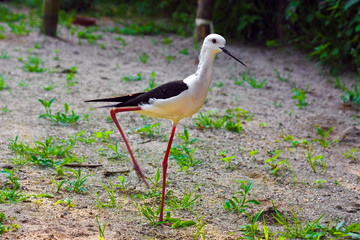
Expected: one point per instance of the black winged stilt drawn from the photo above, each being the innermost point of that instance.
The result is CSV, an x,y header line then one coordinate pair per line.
x,y
173,100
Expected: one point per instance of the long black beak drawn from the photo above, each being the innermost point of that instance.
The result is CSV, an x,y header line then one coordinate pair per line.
x,y
228,53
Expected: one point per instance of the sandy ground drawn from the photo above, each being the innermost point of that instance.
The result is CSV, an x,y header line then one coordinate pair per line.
x,y
100,73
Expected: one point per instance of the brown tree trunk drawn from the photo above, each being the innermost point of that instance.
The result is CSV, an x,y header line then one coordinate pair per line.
x,y
203,19
50,17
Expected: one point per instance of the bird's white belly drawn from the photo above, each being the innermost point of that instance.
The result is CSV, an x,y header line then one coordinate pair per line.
x,y
176,108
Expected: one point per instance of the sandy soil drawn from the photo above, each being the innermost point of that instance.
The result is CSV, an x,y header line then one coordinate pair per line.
x,y
100,73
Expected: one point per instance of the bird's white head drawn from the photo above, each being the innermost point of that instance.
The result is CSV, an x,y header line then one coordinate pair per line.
x,y
214,42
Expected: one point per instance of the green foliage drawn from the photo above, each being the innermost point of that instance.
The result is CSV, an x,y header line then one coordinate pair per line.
x,y
300,96
144,57
314,161
129,78
3,228
226,159
154,191
186,202
11,193
48,153
282,79
231,121
4,54
67,201
250,231
182,153
33,64
323,137
352,96
2,82
19,29
62,118
235,204
110,191
295,229
275,164
151,82
101,229
89,35
77,185
150,131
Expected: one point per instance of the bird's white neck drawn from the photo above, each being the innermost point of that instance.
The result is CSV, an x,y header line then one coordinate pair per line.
x,y
205,68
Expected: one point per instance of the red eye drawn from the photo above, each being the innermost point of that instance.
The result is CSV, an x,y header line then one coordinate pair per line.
x,y
214,40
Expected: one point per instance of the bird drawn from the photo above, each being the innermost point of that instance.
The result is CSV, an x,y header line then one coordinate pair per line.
x,y
173,100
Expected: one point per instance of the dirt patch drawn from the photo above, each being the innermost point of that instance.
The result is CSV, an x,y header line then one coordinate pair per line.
x,y
99,74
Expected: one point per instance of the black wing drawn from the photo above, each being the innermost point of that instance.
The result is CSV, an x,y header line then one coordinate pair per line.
x,y
164,91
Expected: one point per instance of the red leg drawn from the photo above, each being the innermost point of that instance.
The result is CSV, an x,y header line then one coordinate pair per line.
x,y
165,165
113,116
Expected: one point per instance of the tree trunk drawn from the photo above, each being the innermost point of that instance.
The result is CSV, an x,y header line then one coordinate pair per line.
x,y
50,17
203,19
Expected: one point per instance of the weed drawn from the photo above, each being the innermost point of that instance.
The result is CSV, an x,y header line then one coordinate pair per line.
x,y
4,54
59,117
152,214
56,51
251,80
101,229
114,148
89,36
33,64
252,154
122,183
144,57
2,82
353,96
19,29
199,228
2,33
150,131
323,137
9,193
46,153
350,154
110,191
154,191
151,82
250,231
227,159
314,161
129,78
121,40
235,204
297,230
182,153
3,228
5,109
103,46
231,121
340,84
282,79
275,164
48,87
24,83
184,51
96,135
58,184
187,200
300,96
76,186
168,42
319,183
67,201
70,79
